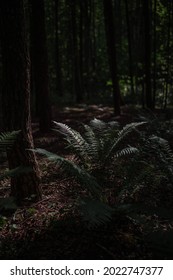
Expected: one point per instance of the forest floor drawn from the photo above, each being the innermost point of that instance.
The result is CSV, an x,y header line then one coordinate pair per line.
x,y
53,229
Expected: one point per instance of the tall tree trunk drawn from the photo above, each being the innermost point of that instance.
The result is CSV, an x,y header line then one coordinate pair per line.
x,y
40,64
111,46
59,85
168,54
130,50
87,45
81,41
94,36
77,85
16,97
147,23
154,52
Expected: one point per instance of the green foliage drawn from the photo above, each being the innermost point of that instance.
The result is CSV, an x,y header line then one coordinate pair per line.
x,y
149,176
160,149
100,143
86,180
96,150
7,139
2,221
95,212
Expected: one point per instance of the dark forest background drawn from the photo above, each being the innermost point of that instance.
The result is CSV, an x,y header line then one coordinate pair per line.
x,y
110,52
77,62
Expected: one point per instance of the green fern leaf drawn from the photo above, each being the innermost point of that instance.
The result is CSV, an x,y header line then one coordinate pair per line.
x,y
75,140
72,169
95,212
7,139
122,134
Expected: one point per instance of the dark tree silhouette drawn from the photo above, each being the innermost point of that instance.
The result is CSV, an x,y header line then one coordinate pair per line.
x,y
39,59
59,84
147,26
130,50
111,46
77,82
16,97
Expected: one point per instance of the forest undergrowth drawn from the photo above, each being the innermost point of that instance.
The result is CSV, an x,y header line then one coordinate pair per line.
x,y
142,187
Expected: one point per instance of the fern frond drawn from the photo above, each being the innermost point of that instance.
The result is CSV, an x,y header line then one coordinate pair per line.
x,y
126,151
15,172
7,139
94,143
95,212
72,169
122,134
98,125
75,140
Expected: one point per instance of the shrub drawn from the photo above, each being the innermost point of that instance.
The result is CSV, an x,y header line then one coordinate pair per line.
x,y
96,152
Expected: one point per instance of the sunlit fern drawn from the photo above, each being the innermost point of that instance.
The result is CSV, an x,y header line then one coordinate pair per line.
x,y
100,142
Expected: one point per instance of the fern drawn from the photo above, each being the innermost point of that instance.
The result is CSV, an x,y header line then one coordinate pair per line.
x,y
72,169
96,148
100,141
74,139
126,151
122,134
95,212
161,150
7,139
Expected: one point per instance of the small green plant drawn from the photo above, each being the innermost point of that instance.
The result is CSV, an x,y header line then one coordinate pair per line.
x,y
96,150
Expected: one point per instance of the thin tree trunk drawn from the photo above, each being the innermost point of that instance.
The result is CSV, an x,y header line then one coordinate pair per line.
x,y
77,86
16,98
111,47
168,55
147,23
87,45
59,85
130,51
154,54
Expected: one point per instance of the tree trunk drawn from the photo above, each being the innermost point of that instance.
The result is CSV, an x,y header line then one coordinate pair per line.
x,y
130,51
111,47
59,86
77,84
16,98
147,23
40,64
167,78
154,53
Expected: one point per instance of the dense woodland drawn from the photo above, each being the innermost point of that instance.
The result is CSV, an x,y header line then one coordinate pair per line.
x,y
86,129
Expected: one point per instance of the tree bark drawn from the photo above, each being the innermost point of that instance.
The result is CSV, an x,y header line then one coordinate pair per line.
x,y
16,98
39,59
77,83
147,23
130,51
154,53
59,85
111,47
